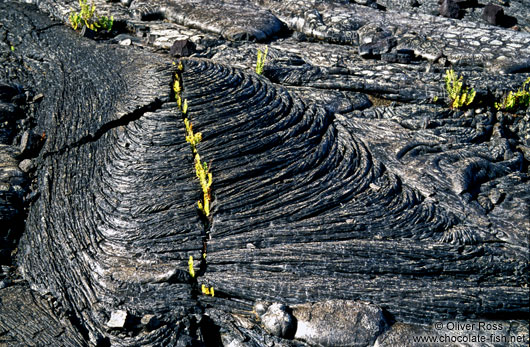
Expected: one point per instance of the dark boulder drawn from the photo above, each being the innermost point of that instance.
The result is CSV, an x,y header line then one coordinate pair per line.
x,y
450,9
374,41
493,14
182,48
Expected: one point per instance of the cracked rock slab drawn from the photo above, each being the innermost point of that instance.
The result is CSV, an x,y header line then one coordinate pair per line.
x,y
339,323
87,248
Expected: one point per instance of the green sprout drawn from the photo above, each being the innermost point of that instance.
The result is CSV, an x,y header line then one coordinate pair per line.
x,y
177,89
458,95
207,291
89,18
192,138
12,48
260,63
514,100
205,179
202,170
191,269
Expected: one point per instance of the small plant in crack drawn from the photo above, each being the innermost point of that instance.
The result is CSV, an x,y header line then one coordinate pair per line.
x,y
202,172
260,62
89,18
205,178
458,94
202,169
191,268
177,88
517,99
207,291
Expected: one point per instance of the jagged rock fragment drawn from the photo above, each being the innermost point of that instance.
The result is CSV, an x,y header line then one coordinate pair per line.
x,y
450,9
279,321
182,48
493,14
374,41
117,319
339,323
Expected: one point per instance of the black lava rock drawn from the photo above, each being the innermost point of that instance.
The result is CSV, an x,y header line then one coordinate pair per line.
x,y
493,14
182,48
450,9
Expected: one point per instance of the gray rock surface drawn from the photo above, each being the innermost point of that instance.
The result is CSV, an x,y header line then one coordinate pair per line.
x,y
456,334
331,323
493,14
450,9
12,190
279,321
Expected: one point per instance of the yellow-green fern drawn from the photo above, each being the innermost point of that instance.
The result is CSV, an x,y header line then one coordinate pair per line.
x,y
191,269
88,17
458,95
207,291
260,63
514,100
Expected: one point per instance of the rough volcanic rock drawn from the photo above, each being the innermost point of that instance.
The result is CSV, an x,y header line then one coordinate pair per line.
x,y
339,323
279,321
493,14
450,9
13,179
234,20
93,266
13,183
182,48
472,10
277,253
27,319
374,41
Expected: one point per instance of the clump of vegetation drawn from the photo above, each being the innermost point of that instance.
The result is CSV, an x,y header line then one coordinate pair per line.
x,y
207,291
515,100
89,18
260,63
191,269
177,88
458,94
205,179
202,169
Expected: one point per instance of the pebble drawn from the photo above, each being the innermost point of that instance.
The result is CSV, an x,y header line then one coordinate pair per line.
x,y
495,196
278,321
126,42
117,319
26,165
260,308
150,322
